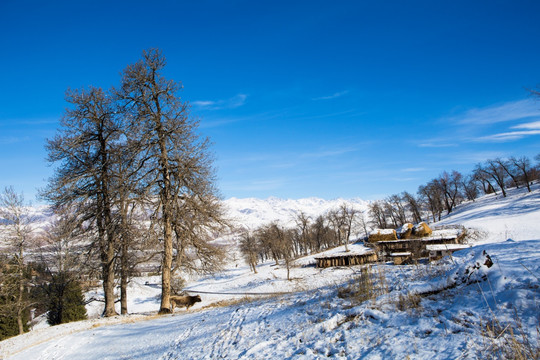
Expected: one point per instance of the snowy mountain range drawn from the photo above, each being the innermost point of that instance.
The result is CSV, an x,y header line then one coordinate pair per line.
x,y
252,213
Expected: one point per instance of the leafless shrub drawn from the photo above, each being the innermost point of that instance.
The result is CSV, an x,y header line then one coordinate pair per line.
x,y
408,302
367,285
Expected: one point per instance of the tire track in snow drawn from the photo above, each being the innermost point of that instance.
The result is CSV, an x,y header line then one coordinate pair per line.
x,y
229,336
261,326
171,354
245,324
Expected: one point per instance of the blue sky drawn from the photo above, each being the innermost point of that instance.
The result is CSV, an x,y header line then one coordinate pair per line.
x,y
300,98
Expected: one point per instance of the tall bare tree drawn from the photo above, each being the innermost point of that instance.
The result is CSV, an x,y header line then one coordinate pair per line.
x,y
177,163
84,148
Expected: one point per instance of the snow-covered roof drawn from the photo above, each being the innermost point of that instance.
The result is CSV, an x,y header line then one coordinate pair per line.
x,y
382,232
443,247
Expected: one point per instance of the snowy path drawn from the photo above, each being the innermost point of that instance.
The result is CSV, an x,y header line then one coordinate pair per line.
x,y
232,332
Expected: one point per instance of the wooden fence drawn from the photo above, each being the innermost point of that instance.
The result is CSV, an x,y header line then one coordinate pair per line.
x,y
346,260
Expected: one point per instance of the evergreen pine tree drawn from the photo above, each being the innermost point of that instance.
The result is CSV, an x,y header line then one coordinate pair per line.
x,y
66,301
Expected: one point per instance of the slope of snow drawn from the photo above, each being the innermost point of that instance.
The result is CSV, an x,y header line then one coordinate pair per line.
x,y
516,216
437,311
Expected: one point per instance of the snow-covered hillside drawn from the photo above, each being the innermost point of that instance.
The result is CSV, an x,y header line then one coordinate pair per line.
x,y
460,307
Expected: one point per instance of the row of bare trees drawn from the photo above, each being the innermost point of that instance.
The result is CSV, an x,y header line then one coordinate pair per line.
x,y
309,235
442,194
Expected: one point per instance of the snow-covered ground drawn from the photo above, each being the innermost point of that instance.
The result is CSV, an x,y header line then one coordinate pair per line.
x,y
455,308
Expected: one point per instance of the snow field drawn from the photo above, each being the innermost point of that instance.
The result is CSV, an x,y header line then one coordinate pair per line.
x,y
442,310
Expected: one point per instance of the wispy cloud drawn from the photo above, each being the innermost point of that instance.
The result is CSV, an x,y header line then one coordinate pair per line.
x,y
29,121
230,103
333,96
522,131
510,111
472,126
509,136
471,157
535,125
418,169
9,140
444,143
327,153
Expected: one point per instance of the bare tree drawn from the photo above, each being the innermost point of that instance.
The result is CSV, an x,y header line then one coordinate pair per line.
x,y
283,238
397,210
196,220
17,233
432,196
480,174
523,164
470,187
494,170
413,206
363,222
376,212
303,222
350,215
130,215
83,181
507,166
449,185
177,164
250,249
338,222
62,248
321,235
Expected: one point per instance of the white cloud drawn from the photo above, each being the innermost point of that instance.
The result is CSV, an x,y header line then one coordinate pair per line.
x,y
204,103
9,140
327,153
437,144
413,169
509,136
333,96
510,111
230,103
535,125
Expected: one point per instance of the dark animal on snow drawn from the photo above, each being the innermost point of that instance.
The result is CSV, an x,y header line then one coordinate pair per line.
x,y
187,301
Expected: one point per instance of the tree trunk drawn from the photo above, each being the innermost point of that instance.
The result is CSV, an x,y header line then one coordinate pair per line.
x,y
124,278
124,261
20,297
108,281
166,266
107,261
